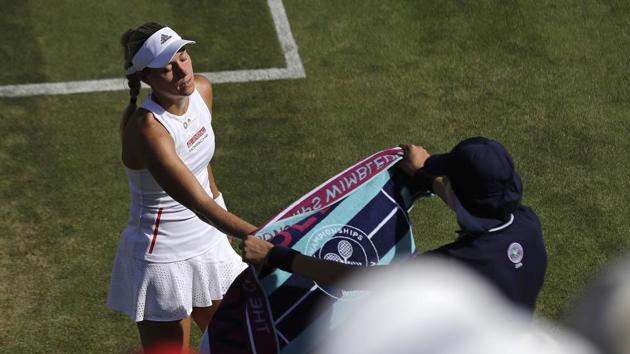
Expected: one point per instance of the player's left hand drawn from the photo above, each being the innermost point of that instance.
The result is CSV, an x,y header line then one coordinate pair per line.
x,y
255,250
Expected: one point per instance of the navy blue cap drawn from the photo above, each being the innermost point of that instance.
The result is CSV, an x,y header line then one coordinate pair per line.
x,y
482,175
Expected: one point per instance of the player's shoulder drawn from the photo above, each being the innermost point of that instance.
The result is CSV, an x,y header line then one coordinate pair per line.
x,y
204,86
146,126
202,80
144,118
143,135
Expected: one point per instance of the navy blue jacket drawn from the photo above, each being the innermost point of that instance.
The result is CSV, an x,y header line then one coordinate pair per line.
x,y
513,259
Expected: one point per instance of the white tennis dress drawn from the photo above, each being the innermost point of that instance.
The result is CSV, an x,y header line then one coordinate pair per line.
x,y
168,260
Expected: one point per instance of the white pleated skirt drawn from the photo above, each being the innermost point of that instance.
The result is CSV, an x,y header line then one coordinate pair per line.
x,y
168,291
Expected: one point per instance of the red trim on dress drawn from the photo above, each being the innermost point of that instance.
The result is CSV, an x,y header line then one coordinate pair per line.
x,y
155,230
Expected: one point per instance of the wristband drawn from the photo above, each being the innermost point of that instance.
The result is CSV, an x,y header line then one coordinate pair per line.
x,y
219,200
282,258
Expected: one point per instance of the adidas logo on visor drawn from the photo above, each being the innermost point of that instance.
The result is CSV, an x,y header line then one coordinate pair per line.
x,y
165,38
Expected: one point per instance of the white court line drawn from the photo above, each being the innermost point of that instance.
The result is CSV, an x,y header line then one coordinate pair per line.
x,y
293,70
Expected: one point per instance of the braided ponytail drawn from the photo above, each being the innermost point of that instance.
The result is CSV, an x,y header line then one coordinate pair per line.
x,y
134,83
131,42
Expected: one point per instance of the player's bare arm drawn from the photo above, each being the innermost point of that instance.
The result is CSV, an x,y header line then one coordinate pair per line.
x,y
159,156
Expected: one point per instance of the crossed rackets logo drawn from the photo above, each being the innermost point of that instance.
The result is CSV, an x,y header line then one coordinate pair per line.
x,y
344,244
344,253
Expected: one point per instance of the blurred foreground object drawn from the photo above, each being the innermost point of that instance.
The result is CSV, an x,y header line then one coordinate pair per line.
x,y
437,307
358,218
602,313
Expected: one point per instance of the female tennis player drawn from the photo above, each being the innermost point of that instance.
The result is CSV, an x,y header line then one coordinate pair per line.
x,y
174,261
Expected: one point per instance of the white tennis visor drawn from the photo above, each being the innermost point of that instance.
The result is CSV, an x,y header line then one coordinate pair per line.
x,y
158,50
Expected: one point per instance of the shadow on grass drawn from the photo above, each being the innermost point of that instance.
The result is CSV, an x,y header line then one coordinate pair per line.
x,y
19,47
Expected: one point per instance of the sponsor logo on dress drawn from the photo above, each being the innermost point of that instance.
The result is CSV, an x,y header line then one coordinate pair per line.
x,y
187,121
515,254
344,244
196,139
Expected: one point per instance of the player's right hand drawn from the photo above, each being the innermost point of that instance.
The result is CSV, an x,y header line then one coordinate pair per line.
x,y
255,250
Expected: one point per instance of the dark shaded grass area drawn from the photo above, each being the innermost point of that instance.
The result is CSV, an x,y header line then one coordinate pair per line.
x,y
79,40
19,43
61,221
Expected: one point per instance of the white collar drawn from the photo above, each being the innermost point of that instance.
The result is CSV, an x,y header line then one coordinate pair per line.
x,y
501,227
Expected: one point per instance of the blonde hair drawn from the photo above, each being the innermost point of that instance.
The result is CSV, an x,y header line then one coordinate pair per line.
x,y
131,41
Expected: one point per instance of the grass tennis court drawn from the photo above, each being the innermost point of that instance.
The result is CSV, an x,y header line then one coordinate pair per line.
x,y
549,79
